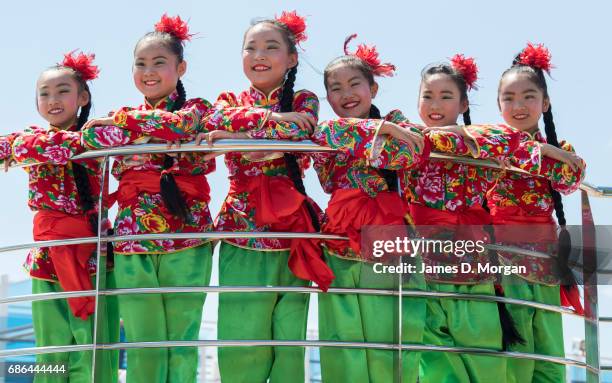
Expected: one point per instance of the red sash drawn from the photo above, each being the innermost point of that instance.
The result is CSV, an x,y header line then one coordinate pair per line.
x,y
135,182
423,215
281,206
70,262
350,209
514,215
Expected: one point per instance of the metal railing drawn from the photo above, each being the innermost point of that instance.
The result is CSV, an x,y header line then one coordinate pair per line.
x,y
591,365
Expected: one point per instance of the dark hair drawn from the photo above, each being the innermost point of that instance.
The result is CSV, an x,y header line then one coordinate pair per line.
x,y
457,78
389,175
350,61
170,192
536,76
167,40
288,36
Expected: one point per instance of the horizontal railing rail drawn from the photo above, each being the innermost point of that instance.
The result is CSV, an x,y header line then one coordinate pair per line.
x,y
246,145
292,343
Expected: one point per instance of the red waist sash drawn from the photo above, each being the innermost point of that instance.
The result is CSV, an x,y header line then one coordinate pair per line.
x,y
71,261
279,205
351,209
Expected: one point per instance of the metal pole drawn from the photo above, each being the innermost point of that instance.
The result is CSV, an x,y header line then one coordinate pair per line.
x,y
591,325
100,302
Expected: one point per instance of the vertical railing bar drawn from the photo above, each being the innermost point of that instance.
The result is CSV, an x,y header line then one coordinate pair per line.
x,y
400,301
591,326
100,268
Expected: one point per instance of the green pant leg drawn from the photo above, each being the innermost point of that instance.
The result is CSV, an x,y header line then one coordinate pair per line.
x,y
107,371
190,267
380,315
289,321
246,315
476,324
340,320
548,336
520,370
440,367
54,325
143,316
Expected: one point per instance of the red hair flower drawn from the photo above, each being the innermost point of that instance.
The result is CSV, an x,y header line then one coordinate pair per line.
x,y
295,23
369,55
174,26
536,56
82,64
466,66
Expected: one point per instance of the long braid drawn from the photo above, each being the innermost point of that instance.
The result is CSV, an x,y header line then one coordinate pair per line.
x,y
170,192
81,178
467,120
390,176
293,168
565,240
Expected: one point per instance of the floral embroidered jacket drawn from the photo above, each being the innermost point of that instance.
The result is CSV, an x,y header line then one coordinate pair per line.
x,y
236,213
147,213
51,182
525,199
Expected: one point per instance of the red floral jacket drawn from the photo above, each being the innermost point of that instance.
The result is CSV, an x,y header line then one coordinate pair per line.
x,y
51,182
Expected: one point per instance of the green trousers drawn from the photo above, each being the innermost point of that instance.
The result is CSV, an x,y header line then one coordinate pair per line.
x,y
54,325
462,323
369,318
542,331
271,316
162,317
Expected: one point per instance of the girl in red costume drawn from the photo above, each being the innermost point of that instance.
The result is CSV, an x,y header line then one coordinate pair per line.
x,y
64,194
518,200
267,194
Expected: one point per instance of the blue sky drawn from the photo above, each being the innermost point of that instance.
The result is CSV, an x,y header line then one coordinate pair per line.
x,y
408,34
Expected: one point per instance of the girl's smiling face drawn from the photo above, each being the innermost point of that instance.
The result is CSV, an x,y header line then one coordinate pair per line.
x,y
266,56
440,102
59,97
521,101
156,70
349,93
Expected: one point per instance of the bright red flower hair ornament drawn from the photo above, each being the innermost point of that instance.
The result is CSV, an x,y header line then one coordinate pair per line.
x,y
536,56
82,64
369,55
466,66
295,23
174,26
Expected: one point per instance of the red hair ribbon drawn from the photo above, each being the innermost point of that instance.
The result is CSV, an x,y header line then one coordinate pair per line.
x,y
536,56
174,26
295,23
369,55
466,66
82,64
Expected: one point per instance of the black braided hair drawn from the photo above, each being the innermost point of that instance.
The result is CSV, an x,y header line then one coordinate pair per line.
x,y
536,76
389,175
170,192
293,168
565,241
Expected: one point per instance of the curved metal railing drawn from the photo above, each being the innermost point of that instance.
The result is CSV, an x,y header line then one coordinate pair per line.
x,y
591,365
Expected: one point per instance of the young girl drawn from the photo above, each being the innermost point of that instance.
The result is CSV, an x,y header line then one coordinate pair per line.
x,y
451,194
64,196
361,178
520,199
267,194
160,193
